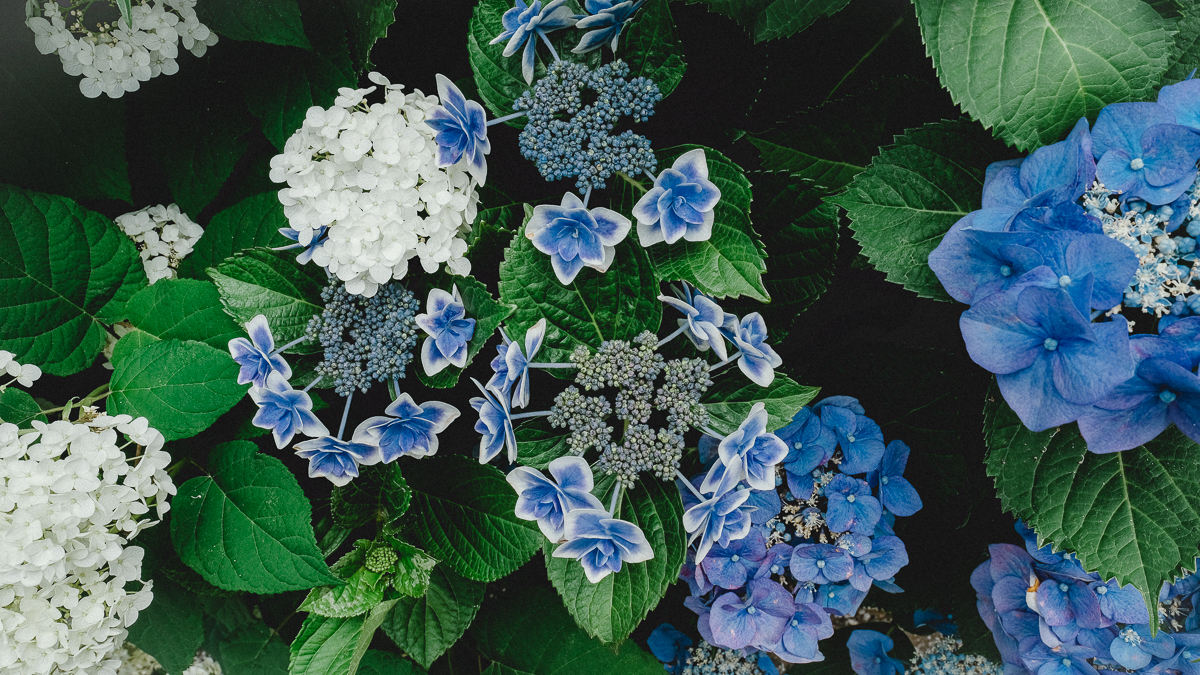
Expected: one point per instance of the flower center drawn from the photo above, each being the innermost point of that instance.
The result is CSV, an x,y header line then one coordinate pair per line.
x,y
1064,588
1064,281
751,610
831,594
797,445
1005,271
821,564
884,480
1137,164
1131,636
850,499
1066,662
1102,590
734,558
797,623
850,438
1050,344
1166,396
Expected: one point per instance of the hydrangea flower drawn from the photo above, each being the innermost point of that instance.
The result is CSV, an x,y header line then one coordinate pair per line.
x,y
461,127
449,331
607,19
840,599
256,356
885,558
575,237
524,24
1123,604
1141,152
1133,647
669,645
548,502
821,564
750,453
810,444
757,359
799,643
869,654
851,506
895,492
680,205
1063,601
516,364
406,428
973,264
335,459
859,436
285,411
703,318
309,239
601,543
495,424
164,235
732,564
1187,661
717,520
757,621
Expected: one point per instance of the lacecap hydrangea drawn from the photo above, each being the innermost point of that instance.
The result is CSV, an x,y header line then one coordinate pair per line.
x,y
164,236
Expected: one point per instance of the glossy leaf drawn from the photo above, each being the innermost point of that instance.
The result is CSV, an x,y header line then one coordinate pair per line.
x,y
252,222
170,629
732,396
651,47
18,407
773,19
180,309
270,283
274,21
329,646
427,626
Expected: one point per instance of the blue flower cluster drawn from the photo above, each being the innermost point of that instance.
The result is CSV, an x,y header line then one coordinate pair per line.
x,y
1049,616
806,539
1068,237
671,647
583,145
870,655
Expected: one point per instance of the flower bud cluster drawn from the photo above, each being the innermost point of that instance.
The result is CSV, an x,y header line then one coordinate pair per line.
x,y
164,235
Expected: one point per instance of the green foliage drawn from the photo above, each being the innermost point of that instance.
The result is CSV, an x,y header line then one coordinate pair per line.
x,y
412,570
334,646
773,19
538,443
611,609
280,97
252,650
732,396
425,627
488,315
463,515
170,629
64,272
366,22
379,494
651,47
248,525
1030,70
274,21
363,589
252,222
180,309
375,662
1185,51
18,407
913,192
261,281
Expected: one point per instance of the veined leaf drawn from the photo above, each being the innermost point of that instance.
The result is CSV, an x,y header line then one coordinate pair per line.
x,y
651,47
270,283
274,21
18,407
427,626
731,397
252,222
171,628
329,646
180,309
772,19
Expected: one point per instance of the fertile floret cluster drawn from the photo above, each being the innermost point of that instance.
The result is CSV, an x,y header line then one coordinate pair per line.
x,y
679,657
943,659
72,499
164,235
114,58
370,175
583,145
365,339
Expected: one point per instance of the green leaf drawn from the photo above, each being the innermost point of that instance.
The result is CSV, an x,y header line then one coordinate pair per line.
x,y
329,646
248,526
362,590
413,567
772,19
463,515
1032,69
180,386
651,47
274,21
18,407
903,204
366,22
530,632
1185,52
253,650
1132,515
488,315
126,7
426,627
616,305
611,609
280,96
252,222
375,662
731,397
64,272
180,309
538,443
379,494
260,281
170,629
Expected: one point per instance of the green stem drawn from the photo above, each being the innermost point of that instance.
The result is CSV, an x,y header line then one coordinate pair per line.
x,y
894,26
631,181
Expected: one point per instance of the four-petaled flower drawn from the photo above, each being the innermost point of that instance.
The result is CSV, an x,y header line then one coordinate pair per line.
x,y
285,411
703,318
808,626
406,428
1133,647
516,364
461,127
524,24
607,19
448,328
495,424
821,564
310,238
336,459
750,453
757,359
575,237
758,621
895,492
869,654
1141,152
255,355
717,520
851,506
601,543
548,502
680,205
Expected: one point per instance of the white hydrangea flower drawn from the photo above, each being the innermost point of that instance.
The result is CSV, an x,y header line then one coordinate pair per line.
x,y
70,500
114,58
369,173
24,374
164,235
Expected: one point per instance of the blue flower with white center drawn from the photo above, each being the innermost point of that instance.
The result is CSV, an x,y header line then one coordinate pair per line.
x,y
549,501
821,564
869,654
605,23
602,543
731,566
495,424
717,520
449,331
680,205
895,492
1134,649
757,359
1141,152
461,127
757,621
575,237
750,453
885,558
285,411
256,356
703,318
1064,659
524,24
1123,604
843,599
1187,660
808,626
851,506
859,436
516,364
406,428
314,238
335,459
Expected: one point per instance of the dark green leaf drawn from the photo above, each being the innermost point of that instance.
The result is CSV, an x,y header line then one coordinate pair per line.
x,y
180,309
260,281
650,45
274,21
366,22
426,627
375,662
252,222
170,629
280,97
253,650
488,315
732,396
771,19
361,592
327,646
413,567
538,443
1185,52
18,407
379,494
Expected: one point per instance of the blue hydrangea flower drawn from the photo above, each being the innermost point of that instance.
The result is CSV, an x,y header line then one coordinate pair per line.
x,y
495,424
255,355
607,19
859,436
670,646
601,543
869,654
717,520
1141,152
703,318
895,492
461,127
810,444
821,564
1122,604
807,627
406,428
750,453
842,599
1063,659
1183,99
336,459
575,237
285,411
758,621
548,502
516,364
731,565
973,264
315,237
1064,601
524,24
499,364
1187,660
680,205
449,331
757,359
1096,260
851,506
1133,647
886,557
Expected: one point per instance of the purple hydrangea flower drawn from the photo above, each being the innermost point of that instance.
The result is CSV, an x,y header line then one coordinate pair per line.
x,y
255,355
336,459
680,205
575,237
757,360
1065,601
449,331
406,428
524,24
285,411
717,520
516,364
315,237
1141,152
549,501
851,506
750,453
1133,647
495,424
869,654
807,627
731,565
821,563
859,436
703,318
607,19
461,127
757,621
1122,604
601,543
895,492
1063,659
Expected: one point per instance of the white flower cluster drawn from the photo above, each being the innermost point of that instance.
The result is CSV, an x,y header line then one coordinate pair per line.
x,y
115,58
137,662
24,374
164,235
370,174
70,499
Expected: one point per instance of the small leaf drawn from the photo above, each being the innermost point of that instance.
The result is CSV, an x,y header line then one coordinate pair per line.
x,y
274,21
379,494
651,47
252,222
18,407
1185,52
329,646
170,629
126,7
413,567
488,315
260,281
362,590
773,19
426,627
731,397
538,443
181,309
367,21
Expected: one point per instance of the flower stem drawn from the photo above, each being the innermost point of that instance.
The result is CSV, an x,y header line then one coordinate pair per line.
x,y
624,176
586,196
345,414
545,39
552,365
674,335
291,344
715,434
679,475
616,500
394,387
313,383
894,26
649,175
500,120
521,416
732,357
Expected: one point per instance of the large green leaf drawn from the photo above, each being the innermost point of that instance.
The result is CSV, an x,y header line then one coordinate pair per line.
x,y
616,305
279,97
426,627
274,21
771,19
180,309
18,407
651,47
1132,515
331,646
488,315
252,222
64,272
732,396
611,609
1032,68
379,495
248,525
375,662
362,590
1185,52
366,22
253,650
538,443
903,204
462,513
260,281
170,629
